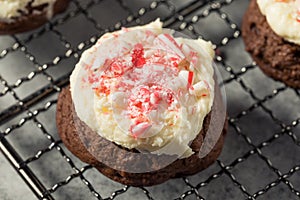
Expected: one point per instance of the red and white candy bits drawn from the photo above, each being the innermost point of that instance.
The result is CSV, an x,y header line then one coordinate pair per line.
x,y
298,10
148,76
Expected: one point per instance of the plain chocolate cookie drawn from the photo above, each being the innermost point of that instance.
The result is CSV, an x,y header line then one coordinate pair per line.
x,y
33,19
276,57
90,145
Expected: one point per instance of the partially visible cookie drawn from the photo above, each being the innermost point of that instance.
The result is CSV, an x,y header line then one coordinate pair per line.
x,y
34,16
277,57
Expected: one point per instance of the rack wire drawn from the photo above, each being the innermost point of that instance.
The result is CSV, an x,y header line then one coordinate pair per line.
x,y
260,159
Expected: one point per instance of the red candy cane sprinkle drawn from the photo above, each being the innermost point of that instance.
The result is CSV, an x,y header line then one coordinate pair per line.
x,y
139,129
298,10
137,56
170,43
190,79
118,67
298,15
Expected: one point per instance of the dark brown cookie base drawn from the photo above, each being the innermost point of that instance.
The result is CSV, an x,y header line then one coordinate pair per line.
x,y
69,125
31,21
276,57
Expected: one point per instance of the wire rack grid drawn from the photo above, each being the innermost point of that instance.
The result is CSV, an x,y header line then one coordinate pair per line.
x,y
259,159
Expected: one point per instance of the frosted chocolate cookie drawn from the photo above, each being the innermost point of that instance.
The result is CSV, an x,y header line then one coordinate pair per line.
x,y
143,106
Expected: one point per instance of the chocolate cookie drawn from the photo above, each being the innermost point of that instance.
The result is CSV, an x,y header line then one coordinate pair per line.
x,y
276,57
87,145
35,17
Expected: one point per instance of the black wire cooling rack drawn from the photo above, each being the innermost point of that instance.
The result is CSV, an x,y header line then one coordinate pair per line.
x,y
260,159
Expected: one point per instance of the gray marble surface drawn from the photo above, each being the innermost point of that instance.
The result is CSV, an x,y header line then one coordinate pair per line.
x,y
12,186
257,125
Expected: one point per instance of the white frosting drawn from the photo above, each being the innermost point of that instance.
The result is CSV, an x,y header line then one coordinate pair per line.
x,y
282,17
10,9
155,106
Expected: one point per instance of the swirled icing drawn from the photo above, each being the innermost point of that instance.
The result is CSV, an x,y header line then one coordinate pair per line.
x,y
143,88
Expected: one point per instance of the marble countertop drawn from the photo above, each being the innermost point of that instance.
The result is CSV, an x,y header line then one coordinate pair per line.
x,y
12,186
